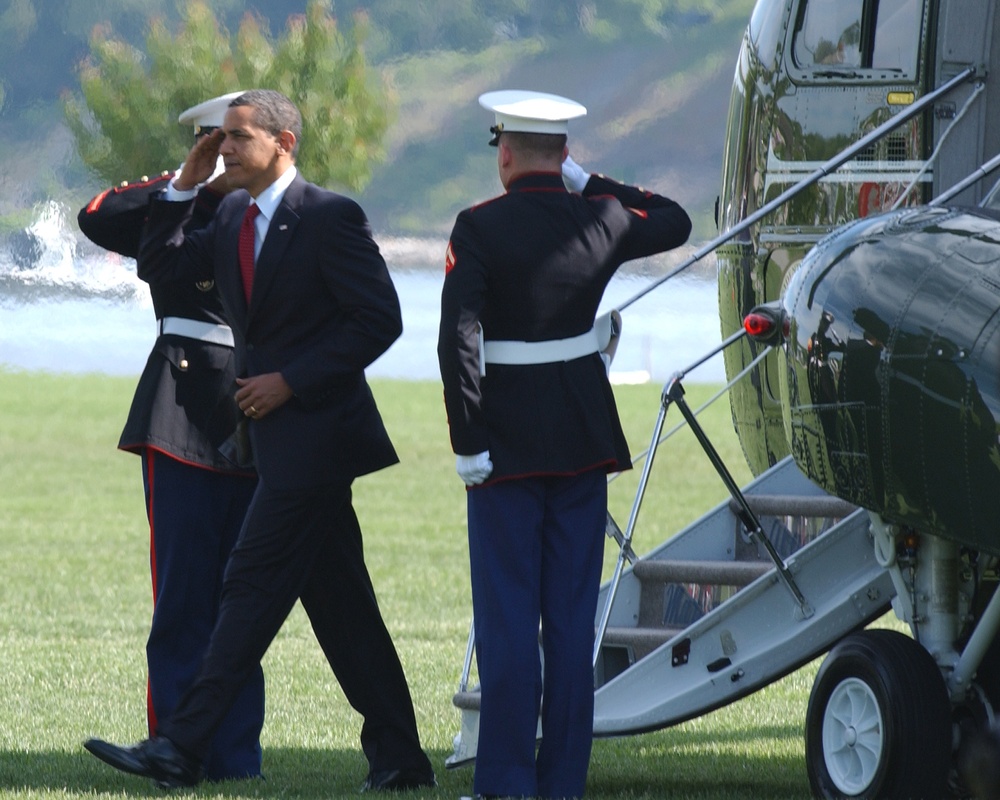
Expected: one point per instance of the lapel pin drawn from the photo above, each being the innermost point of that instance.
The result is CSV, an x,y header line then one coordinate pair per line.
x,y
282,227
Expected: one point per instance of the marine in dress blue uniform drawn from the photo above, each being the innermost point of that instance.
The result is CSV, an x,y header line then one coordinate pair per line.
x,y
535,429
182,412
311,304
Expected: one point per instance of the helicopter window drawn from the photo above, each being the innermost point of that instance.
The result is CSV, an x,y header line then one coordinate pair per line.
x,y
897,34
837,38
830,34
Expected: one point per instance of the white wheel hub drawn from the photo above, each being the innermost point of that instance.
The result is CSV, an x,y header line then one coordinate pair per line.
x,y
853,736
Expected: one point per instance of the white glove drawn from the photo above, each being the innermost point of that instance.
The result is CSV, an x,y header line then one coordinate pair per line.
x,y
474,469
574,176
220,169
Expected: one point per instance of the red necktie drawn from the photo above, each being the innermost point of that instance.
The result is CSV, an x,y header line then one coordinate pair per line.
x,y
246,248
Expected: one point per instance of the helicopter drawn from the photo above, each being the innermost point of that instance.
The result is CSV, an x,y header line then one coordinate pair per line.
x,y
858,264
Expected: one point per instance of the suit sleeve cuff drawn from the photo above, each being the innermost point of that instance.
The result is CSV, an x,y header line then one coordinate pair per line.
x,y
174,194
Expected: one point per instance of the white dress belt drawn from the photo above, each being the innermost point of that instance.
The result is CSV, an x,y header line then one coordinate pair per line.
x,y
499,351
196,329
606,330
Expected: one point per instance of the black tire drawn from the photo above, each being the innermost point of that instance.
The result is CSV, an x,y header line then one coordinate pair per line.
x,y
878,723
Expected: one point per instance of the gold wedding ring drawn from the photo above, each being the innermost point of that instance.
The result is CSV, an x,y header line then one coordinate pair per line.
x,y
251,412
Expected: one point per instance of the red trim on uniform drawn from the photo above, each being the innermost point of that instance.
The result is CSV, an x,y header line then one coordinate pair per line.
x,y
532,173
95,204
150,478
149,457
639,212
150,711
611,462
138,447
449,259
485,202
514,187
148,182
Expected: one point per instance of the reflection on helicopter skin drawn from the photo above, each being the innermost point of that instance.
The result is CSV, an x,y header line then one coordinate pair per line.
x,y
886,391
812,77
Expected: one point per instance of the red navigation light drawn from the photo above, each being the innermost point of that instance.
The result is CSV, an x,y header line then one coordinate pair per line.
x,y
759,325
767,324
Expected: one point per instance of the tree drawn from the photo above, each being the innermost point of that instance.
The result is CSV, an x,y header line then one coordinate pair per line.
x,y
124,124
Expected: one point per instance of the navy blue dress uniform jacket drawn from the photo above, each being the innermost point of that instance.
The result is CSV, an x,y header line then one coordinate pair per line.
x,y
532,265
323,308
183,403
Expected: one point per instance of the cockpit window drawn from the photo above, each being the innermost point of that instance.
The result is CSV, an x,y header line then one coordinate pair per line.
x,y
830,33
847,38
897,35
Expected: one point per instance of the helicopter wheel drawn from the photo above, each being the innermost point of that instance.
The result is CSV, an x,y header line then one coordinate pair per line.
x,y
878,722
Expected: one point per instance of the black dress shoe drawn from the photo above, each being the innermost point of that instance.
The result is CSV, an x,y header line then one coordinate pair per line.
x,y
398,780
157,758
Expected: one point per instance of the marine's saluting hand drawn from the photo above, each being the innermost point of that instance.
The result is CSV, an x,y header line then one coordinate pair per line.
x,y
200,164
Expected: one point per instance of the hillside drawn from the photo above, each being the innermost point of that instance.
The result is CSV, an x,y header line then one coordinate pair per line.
x,y
656,116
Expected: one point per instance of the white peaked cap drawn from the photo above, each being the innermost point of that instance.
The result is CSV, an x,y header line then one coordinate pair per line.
x,y
531,112
208,114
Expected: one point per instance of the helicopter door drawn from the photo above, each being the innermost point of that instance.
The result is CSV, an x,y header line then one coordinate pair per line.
x,y
853,64
967,126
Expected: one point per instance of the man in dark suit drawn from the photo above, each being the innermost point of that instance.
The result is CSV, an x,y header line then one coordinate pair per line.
x,y
534,425
196,498
311,305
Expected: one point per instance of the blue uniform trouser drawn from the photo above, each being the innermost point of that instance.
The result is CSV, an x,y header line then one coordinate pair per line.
x,y
536,553
195,516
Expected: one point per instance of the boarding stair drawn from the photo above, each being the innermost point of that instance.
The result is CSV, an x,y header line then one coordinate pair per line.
x,y
757,587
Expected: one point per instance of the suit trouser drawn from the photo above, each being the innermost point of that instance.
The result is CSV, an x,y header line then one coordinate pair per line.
x,y
536,553
195,515
304,544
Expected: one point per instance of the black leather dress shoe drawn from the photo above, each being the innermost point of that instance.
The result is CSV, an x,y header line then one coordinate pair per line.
x,y
398,780
157,758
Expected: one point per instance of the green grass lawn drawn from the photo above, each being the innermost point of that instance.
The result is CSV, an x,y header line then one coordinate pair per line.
x,y
75,604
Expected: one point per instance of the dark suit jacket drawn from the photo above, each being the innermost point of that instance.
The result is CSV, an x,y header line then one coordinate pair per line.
x,y
183,404
532,265
323,308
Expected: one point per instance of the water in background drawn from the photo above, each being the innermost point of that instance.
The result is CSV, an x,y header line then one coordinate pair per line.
x,y
67,306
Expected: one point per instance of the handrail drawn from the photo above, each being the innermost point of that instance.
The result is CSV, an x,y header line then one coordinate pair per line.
x,y
820,172
976,175
711,400
625,544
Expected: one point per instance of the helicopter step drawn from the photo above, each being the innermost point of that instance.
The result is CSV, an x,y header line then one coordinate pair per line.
x,y
703,619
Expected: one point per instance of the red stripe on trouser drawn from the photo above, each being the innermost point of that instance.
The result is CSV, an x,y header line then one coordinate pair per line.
x,y
148,455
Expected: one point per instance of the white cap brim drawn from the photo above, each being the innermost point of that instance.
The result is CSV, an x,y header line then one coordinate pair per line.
x,y
523,111
208,114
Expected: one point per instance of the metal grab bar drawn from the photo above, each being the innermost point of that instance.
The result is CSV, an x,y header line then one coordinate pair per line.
x,y
736,379
976,175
